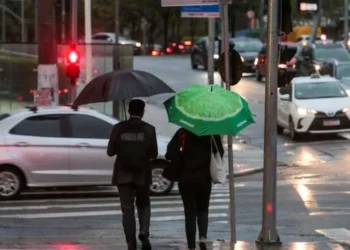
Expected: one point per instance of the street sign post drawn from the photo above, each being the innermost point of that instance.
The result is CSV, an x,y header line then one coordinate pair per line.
x,y
170,3
201,11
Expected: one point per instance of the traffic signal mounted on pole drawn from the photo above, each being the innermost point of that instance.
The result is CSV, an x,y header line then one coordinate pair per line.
x,y
73,60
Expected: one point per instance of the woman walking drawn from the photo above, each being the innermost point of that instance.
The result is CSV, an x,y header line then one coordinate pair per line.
x,y
195,182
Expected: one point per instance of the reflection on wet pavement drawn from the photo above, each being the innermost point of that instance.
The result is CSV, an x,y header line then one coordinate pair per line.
x,y
306,196
171,245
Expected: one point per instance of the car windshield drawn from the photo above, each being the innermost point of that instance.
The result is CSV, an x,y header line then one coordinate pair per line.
x,y
247,45
343,71
316,90
340,54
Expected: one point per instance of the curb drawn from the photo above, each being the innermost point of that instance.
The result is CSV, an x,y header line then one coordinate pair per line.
x,y
248,172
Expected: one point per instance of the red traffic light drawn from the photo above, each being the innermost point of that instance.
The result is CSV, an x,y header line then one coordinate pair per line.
x,y
73,57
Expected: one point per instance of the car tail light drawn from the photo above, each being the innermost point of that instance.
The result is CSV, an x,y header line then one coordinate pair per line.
x,y
155,53
65,90
59,92
20,98
181,47
169,50
174,44
31,91
261,59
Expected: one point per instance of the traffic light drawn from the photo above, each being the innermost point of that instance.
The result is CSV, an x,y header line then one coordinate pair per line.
x,y
73,67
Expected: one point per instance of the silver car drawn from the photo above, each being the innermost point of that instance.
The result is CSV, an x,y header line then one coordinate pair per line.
x,y
61,147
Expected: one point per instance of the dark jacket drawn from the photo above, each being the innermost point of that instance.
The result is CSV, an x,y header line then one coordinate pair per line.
x,y
196,152
122,174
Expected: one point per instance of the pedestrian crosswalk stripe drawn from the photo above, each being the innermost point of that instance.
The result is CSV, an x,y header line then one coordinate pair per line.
x,y
97,213
182,217
96,205
340,235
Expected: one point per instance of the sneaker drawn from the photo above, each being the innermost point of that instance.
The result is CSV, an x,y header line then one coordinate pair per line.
x,y
202,245
146,244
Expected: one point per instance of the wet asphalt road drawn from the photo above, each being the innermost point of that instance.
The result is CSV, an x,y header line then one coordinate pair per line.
x,y
313,191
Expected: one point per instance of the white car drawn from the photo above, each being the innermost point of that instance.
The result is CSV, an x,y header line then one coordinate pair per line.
x,y
315,104
62,147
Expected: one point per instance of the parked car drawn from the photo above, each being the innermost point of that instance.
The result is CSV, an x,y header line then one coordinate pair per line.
x,y
62,147
314,104
107,37
248,48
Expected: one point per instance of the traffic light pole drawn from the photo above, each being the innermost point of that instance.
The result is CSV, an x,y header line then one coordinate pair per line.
x,y
74,38
225,47
47,49
269,234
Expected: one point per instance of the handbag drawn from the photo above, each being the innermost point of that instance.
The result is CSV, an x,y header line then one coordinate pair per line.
x,y
218,172
173,171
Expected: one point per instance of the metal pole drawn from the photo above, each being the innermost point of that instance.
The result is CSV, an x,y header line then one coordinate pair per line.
x,y
211,48
346,23
261,20
63,19
36,21
269,232
222,40
88,45
317,20
225,42
116,64
3,22
74,36
23,23
74,20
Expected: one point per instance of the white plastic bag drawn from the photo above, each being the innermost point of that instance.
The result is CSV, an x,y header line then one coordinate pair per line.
x,y
218,171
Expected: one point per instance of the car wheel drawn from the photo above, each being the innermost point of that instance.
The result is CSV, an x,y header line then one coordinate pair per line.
x,y
258,76
280,129
160,185
11,182
293,134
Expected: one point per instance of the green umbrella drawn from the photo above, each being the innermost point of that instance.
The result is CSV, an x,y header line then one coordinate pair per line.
x,y
209,110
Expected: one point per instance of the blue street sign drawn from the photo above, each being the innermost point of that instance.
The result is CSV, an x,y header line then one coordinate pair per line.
x,y
201,11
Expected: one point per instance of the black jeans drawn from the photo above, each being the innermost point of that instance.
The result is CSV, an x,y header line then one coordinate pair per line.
x,y
196,198
127,193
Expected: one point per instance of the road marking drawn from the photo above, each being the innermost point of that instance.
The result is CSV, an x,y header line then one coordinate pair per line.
x,y
329,213
97,213
96,205
335,246
340,235
182,217
307,197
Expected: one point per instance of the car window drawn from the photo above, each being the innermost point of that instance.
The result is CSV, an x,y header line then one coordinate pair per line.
x,y
340,54
247,46
315,90
100,37
343,71
41,126
86,126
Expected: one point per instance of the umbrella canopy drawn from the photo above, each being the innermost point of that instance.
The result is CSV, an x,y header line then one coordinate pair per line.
x,y
121,85
209,110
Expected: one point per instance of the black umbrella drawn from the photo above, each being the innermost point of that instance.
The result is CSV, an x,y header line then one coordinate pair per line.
x,y
120,85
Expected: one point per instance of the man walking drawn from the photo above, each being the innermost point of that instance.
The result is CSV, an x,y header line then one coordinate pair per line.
x,y
135,144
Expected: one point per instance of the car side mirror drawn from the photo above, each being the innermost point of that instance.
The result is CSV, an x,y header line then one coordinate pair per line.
x,y
285,97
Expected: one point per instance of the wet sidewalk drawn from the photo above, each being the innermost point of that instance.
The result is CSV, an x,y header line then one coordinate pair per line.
x,y
168,245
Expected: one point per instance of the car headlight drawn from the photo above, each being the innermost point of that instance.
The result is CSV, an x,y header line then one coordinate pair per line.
x,y
317,67
256,61
138,44
302,111
216,56
242,58
346,110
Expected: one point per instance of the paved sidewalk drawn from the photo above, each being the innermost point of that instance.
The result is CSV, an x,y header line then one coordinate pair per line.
x,y
166,245
247,159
